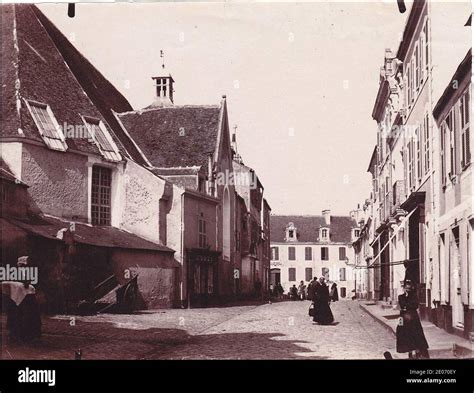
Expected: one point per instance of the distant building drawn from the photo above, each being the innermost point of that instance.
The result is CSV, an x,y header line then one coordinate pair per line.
x,y
304,247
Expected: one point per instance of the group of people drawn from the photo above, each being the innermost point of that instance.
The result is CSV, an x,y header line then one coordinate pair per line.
x,y
277,291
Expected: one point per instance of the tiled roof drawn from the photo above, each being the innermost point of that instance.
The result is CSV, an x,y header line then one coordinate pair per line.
x,y
40,64
7,174
307,228
177,136
101,236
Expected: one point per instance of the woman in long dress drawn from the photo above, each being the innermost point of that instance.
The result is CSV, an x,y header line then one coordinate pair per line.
x,y
322,311
410,336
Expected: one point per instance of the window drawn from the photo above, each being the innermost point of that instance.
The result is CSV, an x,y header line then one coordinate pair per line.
x,y
451,124
47,125
325,272
465,131
324,253
291,274
411,171
5,193
324,234
291,233
443,152
308,274
102,139
343,292
342,274
202,233
291,254
426,46
342,253
418,153
101,195
308,253
275,253
356,232
426,143
417,67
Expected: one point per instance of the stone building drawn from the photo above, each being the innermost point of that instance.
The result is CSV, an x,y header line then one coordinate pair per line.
x,y
420,170
55,140
128,198
304,247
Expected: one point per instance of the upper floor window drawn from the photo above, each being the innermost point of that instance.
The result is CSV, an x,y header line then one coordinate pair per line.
x,y
291,254
465,107
324,234
324,253
202,231
47,125
275,253
342,274
102,139
342,253
101,195
291,233
426,144
308,254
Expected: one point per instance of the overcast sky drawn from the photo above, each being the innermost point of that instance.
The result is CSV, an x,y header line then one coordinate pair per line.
x,y
300,80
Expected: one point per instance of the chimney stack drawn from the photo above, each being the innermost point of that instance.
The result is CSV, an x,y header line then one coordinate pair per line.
x,y
327,216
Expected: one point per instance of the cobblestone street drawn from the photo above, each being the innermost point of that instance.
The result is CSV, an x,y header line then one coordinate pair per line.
x,y
269,331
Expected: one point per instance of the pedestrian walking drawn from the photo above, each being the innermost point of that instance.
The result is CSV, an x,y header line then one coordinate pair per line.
x,y
301,291
333,294
322,310
311,287
280,291
410,336
293,292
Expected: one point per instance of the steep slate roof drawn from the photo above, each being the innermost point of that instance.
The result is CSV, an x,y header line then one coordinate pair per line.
x,y
307,228
40,64
157,133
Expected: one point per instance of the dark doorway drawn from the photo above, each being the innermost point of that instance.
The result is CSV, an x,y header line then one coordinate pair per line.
x,y
384,267
202,277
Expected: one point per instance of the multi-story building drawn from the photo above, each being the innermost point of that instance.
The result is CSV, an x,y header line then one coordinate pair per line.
x,y
420,166
452,274
150,192
304,247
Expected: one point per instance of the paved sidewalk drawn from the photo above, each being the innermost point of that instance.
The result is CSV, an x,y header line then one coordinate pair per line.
x,y
442,344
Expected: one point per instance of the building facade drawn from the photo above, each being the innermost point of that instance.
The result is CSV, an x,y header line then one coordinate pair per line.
x,y
304,247
419,209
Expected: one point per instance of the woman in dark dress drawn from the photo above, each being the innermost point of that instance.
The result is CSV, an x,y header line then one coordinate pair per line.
x,y
322,311
410,336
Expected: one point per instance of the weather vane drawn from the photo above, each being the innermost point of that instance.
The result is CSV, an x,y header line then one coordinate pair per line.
x,y
162,55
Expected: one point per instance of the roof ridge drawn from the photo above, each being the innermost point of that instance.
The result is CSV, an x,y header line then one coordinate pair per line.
x,y
140,111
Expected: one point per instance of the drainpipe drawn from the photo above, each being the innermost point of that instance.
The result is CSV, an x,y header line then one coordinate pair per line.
x,y
185,273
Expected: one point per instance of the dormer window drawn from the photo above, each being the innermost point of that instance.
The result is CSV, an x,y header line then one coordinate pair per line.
x,y
291,232
355,233
47,125
102,139
324,234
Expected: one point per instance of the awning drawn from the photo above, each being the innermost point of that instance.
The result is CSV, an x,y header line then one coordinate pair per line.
x,y
100,236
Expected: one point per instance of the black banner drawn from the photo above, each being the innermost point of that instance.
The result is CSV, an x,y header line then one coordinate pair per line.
x,y
237,376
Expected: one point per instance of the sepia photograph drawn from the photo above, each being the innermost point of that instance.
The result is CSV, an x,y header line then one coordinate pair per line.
x,y
237,180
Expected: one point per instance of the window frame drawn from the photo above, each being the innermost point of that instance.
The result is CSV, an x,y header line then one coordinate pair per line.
x,y
113,156
325,255
98,221
465,111
61,145
292,272
292,253
308,250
